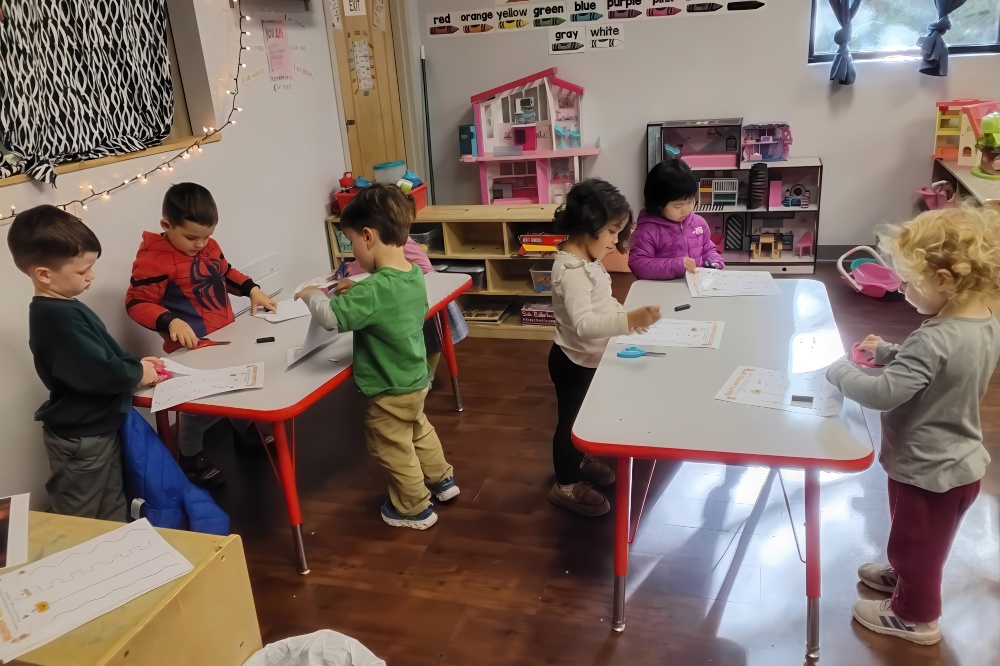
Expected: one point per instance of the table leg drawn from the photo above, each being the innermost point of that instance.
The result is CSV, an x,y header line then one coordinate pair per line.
x,y
286,477
623,501
812,564
163,430
448,349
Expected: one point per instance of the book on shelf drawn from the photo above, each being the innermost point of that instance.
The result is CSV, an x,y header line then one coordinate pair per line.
x,y
487,311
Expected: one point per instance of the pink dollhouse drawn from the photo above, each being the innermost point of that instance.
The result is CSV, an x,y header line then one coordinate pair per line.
x,y
529,141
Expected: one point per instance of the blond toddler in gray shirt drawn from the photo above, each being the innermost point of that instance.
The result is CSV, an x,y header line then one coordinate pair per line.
x,y
929,395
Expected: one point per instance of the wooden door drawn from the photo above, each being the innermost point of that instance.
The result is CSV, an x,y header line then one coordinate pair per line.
x,y
369,90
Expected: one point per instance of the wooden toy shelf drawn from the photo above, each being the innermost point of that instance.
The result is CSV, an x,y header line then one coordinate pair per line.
x,y
486,236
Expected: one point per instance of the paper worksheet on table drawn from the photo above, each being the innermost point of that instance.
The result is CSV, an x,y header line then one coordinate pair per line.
x,y
709,282
189,384
802,393
678,333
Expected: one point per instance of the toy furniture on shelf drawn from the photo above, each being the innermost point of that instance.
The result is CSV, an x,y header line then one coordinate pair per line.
x,y
957,129
490,237
805,244
766,142
538,118
700,143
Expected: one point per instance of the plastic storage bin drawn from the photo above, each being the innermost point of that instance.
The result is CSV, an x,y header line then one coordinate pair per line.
x,y
389,172
541,276
419,194
429,239
476,271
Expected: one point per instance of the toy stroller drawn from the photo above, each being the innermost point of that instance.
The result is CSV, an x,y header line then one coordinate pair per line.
x,y
871,277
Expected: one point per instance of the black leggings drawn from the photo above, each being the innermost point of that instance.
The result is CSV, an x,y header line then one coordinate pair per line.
x,y
572,382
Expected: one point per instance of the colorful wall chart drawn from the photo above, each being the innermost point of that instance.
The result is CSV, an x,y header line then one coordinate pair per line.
x,y
571,14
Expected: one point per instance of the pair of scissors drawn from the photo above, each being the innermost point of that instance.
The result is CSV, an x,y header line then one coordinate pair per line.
x,y
636,352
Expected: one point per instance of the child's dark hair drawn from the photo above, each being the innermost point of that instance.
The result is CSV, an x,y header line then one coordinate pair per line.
x,y
48,236
189,202
592,205
384,208
670,180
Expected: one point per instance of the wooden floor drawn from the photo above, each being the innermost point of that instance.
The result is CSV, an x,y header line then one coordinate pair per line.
x,y
506,578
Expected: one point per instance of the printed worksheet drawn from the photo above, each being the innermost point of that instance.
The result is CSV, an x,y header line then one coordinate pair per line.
x,y
287,309
189,384
48,598
709,282
803,393
316,337
678,333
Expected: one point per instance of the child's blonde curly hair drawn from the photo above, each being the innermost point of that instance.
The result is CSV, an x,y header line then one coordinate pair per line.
x,y
965,241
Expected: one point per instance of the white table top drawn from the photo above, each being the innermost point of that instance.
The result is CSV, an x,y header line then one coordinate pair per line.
x,y
982,189
665,407
287,391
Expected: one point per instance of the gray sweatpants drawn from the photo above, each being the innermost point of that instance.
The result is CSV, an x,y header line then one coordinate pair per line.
x,y
191,438
86,475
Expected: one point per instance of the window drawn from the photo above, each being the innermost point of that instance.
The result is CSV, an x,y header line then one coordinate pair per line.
x,y
885,28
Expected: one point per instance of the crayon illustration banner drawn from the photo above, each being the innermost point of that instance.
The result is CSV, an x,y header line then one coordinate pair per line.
x,y
567,40
511,17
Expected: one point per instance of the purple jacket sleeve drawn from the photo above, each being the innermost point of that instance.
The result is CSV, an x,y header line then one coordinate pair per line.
x,y
709,251
644,263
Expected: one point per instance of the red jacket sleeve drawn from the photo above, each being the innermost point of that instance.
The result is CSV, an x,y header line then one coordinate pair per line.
x,y
146,289
236,282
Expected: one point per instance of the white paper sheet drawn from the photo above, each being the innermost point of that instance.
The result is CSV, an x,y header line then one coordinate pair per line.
x,y
287,309
316,337
708,282
678,333
191,384
48,598
13,530
780,390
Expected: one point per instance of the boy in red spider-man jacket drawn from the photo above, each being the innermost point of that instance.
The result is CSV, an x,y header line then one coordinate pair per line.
x,y
180,288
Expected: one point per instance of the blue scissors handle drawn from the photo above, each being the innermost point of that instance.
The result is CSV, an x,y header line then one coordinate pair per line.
x,y
636,352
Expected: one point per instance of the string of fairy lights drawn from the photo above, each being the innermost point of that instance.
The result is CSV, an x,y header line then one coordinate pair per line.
x,y
168,165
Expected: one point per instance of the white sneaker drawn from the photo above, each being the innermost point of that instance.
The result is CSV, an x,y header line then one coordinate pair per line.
x,y
878,616
881,577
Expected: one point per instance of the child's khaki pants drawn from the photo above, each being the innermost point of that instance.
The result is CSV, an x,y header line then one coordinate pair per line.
x,y
400,438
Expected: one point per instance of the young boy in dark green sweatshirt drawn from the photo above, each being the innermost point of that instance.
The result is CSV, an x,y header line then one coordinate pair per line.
x,y
89,377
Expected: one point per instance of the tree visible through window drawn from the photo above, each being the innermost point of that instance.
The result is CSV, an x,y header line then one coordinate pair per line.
x,y
887,27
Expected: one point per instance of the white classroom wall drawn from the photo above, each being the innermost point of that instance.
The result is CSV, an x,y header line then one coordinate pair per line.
x,y
874,137
271,175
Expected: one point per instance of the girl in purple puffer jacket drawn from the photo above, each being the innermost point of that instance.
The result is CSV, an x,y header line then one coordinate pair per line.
x,y
669,238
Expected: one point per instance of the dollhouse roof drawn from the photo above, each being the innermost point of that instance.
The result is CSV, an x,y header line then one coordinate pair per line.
x,y
527,81
975,113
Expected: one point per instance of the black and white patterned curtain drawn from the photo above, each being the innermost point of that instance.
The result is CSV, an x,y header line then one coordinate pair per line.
x,y
81,79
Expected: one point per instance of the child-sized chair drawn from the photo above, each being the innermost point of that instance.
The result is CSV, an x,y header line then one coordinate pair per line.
x,y
805,245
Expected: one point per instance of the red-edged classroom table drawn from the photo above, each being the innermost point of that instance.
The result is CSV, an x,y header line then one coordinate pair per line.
x,y
289,392
664,408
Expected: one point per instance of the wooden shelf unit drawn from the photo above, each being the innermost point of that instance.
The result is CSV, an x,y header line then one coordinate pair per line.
x,y
486,236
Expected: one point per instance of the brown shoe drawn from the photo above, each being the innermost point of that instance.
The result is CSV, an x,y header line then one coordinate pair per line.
x,y
582,499
597,472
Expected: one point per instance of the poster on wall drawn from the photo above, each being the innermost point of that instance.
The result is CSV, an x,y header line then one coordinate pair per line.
x,y
509,16
335,19
378,14
361,65
606,36
279,55
564,41
354,8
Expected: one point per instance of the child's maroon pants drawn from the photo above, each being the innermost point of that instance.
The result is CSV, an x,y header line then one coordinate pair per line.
x,y
924,524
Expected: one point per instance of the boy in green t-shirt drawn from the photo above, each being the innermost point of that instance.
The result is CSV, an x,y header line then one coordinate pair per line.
x,y
386,312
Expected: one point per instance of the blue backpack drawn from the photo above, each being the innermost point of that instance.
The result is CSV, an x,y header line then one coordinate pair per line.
x,y
153,476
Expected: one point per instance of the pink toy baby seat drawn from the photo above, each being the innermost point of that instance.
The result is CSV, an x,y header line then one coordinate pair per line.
x,y
872,278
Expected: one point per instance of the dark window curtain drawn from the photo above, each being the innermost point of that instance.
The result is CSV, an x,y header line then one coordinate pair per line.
x,y
932,44
81,79
843,65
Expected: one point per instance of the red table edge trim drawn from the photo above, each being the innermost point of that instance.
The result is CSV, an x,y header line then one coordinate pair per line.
x,y
726,458
302,405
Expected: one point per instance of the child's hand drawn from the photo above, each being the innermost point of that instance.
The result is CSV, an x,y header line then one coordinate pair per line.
x,y
641,319
182,333
343,286
258,299
689,265
870,343
306,290
149,374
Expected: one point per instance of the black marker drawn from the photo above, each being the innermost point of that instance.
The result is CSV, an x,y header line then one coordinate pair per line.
x,y
682,307
270,339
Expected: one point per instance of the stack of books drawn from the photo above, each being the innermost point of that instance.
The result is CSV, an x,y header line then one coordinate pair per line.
x,y
538,314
